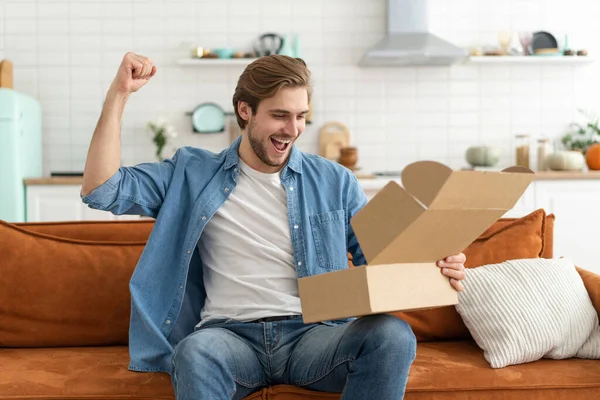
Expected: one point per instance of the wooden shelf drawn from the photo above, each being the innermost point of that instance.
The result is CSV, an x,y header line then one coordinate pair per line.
x,y
205,62
548,60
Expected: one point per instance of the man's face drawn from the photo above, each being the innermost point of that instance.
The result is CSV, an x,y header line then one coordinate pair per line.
x,y
278,122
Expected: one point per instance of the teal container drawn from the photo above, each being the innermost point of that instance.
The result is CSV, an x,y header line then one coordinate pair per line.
x,y
20,150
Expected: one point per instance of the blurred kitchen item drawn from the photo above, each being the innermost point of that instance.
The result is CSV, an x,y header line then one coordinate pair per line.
x,y
567,50
582,52
6,74
333,136
566,161
525,40
388,173
522,150
20,150
543,151
515,48
504,38
238,54
286,47
297,48
224,52
267,44
482,156
200,52
208,117
544,43
348,157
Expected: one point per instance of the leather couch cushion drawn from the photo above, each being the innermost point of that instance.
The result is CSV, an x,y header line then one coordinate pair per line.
x,y
441,371
507,240
63,292
458,371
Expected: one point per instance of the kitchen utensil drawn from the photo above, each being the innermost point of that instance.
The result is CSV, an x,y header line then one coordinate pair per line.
x,y
543,43
333,136
6,74
267,44
208,118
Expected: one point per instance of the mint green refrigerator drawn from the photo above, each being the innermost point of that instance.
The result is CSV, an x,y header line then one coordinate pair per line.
x,y
20,150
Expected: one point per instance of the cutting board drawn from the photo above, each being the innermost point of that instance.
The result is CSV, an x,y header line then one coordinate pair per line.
x,y
6,74
333,136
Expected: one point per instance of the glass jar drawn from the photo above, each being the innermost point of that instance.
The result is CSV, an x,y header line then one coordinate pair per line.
x,y
522,150
543,151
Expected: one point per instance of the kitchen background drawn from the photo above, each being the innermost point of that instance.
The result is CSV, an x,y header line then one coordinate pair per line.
x,y
65,54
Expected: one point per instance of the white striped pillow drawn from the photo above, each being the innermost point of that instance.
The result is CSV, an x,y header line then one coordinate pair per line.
x,y
523,310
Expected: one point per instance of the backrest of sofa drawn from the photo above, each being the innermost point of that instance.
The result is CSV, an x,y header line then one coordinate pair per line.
x,y
99,231
66,284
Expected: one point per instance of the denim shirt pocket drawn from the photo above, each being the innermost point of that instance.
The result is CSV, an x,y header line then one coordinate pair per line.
x,y
329,235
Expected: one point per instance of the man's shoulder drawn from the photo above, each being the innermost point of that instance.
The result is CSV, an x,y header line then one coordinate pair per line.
x,y
186,154
324,167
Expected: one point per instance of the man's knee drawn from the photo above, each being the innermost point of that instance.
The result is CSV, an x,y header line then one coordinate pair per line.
x,y
391,336
199,348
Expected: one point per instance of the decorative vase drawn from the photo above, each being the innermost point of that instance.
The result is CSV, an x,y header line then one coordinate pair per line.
x,y
482,156
566,161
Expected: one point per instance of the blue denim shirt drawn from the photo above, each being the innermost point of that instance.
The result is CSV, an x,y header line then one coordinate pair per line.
x,y
183,193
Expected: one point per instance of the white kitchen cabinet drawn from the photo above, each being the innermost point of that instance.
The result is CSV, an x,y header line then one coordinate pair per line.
x,y
576,205
47,203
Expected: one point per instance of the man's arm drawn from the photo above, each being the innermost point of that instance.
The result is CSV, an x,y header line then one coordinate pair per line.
x,y
356,201
127,190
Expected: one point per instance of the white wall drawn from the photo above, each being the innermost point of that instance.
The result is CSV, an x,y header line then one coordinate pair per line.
x,y
66,53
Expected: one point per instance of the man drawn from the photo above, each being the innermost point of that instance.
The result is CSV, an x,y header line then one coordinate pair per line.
x,y
214,296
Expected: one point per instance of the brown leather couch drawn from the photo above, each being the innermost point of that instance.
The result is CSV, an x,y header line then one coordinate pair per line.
x,y
64,313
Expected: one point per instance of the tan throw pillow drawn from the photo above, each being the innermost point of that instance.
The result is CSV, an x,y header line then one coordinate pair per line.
x,y
508,240
520,311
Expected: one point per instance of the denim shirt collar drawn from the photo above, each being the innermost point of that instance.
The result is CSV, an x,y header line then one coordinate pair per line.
x,y
294,161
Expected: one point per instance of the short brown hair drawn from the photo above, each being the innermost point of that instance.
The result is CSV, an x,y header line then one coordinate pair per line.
x,y
264,77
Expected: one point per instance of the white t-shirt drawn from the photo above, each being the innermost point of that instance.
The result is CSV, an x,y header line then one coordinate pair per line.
x,y
247,254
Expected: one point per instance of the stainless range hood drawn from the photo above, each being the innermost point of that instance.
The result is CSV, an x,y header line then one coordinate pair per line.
x,y
408,41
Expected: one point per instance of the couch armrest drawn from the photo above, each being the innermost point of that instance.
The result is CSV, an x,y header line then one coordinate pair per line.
x,y
592,284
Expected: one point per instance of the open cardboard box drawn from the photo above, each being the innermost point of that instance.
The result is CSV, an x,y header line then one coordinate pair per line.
x,y
403,231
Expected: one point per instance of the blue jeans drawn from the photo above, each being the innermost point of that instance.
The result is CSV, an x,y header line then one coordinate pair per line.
x,y
366,358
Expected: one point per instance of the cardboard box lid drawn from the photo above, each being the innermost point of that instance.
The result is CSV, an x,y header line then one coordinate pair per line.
x,y
436,212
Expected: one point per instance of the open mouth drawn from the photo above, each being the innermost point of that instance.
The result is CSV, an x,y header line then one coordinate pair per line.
x,y
281,145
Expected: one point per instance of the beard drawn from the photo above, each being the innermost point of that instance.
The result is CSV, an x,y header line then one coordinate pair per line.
x,y
260,147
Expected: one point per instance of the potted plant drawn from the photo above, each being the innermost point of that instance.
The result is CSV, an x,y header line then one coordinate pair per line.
x,y
162,132
582,136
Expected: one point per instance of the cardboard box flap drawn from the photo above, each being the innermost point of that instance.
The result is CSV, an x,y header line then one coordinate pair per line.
x,y
376,227
438,187
438,212
425,179
435,235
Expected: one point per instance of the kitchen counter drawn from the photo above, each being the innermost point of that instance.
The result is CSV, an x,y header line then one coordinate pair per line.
x,y
367,181
371,182
55,180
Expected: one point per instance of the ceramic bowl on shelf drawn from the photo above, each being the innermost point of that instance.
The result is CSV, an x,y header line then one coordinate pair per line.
x,y
224,52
